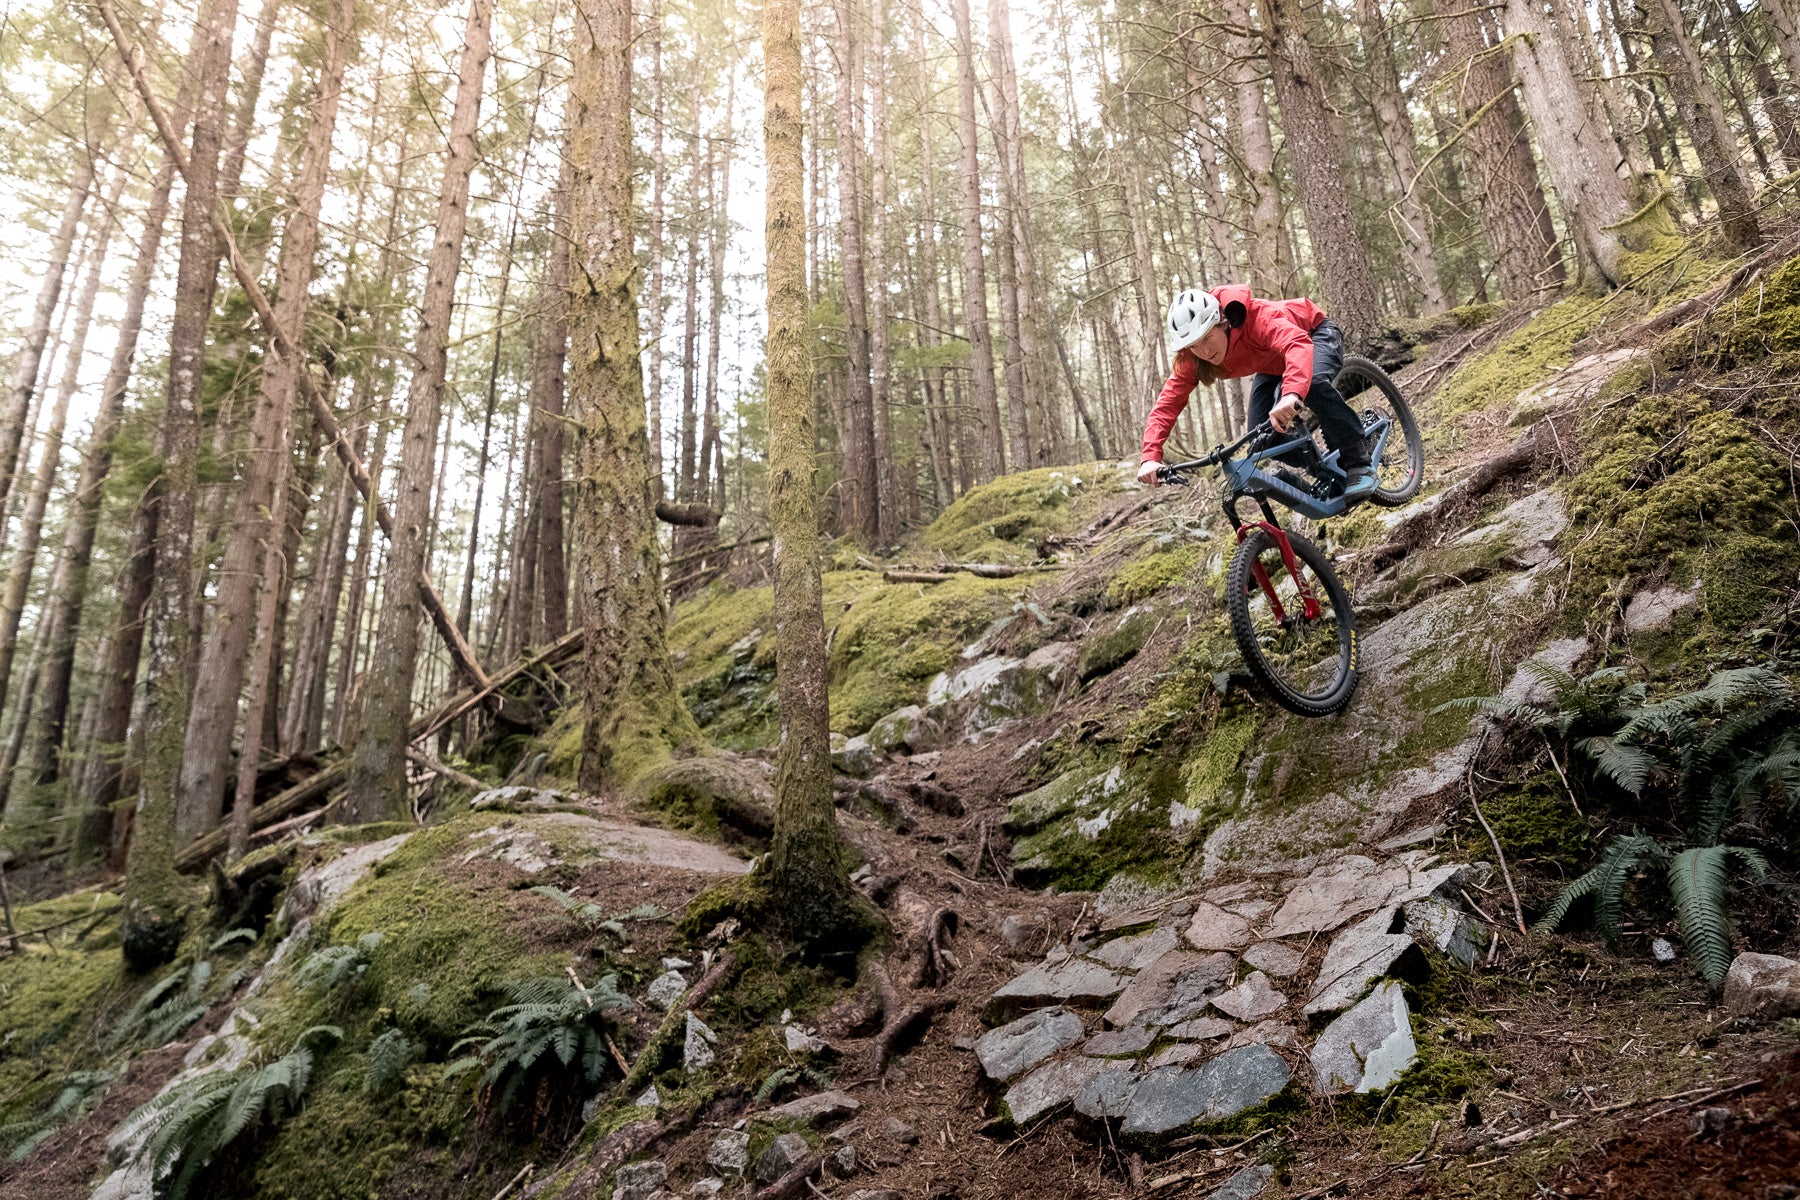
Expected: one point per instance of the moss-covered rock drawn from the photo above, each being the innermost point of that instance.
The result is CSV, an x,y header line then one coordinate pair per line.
x,y
1081,830
1117,643
1003,521
1743,575
1145,577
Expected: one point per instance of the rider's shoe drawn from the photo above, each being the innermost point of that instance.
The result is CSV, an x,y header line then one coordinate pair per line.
x,y
1361,484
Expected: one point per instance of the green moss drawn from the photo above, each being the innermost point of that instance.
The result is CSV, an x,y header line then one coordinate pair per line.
x,y
50,1003
1764,320
1003,521
1536,823
1091,826
1103,653
892,639
1144,577
1743,575
1668,476
1526,357
1187,694
1209,773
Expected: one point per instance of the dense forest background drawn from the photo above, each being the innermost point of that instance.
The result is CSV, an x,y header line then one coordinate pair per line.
x,y
998,205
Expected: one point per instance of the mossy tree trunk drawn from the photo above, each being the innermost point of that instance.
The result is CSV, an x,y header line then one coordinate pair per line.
x,y
806,872
991,455
151,926
377,785
634,714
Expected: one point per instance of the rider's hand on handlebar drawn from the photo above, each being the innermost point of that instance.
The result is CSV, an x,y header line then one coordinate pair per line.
x,y
1282,415
1147,472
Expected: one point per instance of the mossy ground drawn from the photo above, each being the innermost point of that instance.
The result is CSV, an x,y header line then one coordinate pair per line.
x,y
1003,521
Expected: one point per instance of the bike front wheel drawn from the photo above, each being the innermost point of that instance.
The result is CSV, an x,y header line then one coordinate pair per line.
x,y
1375,398
1303,656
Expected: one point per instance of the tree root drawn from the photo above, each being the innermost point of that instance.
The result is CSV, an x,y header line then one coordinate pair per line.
x,y
1418,529
935,961
794,1182
673,1027
898,1020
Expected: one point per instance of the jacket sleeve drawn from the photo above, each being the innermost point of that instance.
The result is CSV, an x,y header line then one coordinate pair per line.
x,y
1182,379
1288,338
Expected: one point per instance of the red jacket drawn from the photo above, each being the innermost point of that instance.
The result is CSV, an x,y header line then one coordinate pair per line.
x,y
1266,337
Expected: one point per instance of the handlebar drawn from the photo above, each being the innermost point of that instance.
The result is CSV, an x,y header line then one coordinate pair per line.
x,y
1171,473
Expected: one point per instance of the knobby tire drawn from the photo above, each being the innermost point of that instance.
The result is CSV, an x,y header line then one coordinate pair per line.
x,y
1242,591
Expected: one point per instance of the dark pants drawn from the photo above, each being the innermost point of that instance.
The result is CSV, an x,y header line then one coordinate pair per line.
x,y
1342,427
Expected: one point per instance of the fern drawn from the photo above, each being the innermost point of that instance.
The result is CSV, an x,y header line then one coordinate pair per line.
x,y
77,1094
171,1004
782,1077
389,1055
193,1122
1697,883
1604,884
550,1028
324,970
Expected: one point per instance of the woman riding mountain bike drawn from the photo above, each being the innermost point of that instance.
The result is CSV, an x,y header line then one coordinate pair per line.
x,y
1290,347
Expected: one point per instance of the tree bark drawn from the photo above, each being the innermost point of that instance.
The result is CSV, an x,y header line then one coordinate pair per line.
x,y
151,926
1577,147
1703,115
887,488
1314,142
806,872
29,359
1256,153
633,714
1778,101
1412,221
377,783
930,334
653,298
858,451
712,490
547,405
991,460
255,530
1784,19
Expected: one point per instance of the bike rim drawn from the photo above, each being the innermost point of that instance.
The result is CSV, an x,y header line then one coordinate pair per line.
x,y
1371,403
1307,655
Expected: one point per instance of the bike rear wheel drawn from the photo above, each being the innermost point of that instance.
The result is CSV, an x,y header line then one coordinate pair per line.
x,y
1306,664
1373,396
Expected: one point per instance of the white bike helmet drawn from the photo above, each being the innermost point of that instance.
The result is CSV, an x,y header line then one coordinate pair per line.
x,y
1191,317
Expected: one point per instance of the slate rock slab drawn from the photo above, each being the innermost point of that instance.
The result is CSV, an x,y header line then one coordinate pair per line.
x,y
1214,928
697,1044
1072,981
817,1110
730,1151
1116,1042
1107,1094
1136,952
1264,1033
1216,1090
1251,1000
1174,988
1368,1048
1179,1055
1433,922
639,1180
784,1153
1358,957
1275,959
1763,986
1051,1086
1246,1183
1200,1029
1015,1048
1345,888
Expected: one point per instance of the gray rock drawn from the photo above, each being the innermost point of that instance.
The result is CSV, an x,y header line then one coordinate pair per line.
x,y
1352,885
1763,986
896,1130
909,730
1277,959
1213,928
1368,1048
697,1045
712,1185
853,756
1137,952
801,1042
666,989
1200,1029
1217,1090
1174,988
1662,950
817,1110
1115,647
730,1151
1358,957
1015,1048
875,1194
1572,386
639,1180
1179,1055
1264,1033
1051,1086
1437,923
783,1154
1246,1183
843,1161
1654,611
1107,1094
1018,934
649,1098
1115,1043
1073,981
1046,674
1251,1000
517,797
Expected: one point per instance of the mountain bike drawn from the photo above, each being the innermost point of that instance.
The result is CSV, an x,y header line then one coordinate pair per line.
x,y
1290,615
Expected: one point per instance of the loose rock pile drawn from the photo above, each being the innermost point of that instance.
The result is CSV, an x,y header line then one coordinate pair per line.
x,y
1205,1007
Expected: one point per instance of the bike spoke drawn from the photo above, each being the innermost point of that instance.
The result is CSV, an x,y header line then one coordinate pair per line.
x,y
1303,650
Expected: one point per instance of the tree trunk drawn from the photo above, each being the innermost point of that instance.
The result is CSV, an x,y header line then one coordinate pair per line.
x,y
1704,117
806,870
991,460
1577,148
718,239
1784,19
653,300
887,490
860,490
931,333
29,360
687,481
151,927
1412,222
1778,100
547,405
1314,142
377,783
633,713
219,679
465,608
1256,153
1515,216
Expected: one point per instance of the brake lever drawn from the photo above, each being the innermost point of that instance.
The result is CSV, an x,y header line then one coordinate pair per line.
x,y
1169,477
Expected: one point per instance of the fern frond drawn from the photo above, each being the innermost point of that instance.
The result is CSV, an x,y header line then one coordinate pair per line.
x,y
1628,766
1500,706
1697,885
247,936
389,1054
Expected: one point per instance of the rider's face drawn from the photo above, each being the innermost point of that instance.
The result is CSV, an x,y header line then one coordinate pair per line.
x,y
1211,348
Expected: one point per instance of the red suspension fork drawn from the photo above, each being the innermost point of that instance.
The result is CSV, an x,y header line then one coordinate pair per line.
x,y
1309,603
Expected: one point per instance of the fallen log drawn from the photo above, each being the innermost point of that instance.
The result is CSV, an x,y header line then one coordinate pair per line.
x,y
721,548
444,770
696,516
